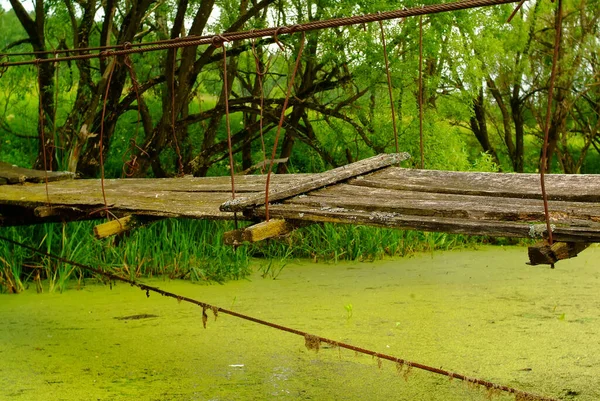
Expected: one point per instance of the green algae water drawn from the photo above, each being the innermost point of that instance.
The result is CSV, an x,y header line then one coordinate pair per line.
x,y
482,313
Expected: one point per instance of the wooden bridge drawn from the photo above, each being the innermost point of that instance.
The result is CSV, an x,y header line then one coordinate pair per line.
x,y
371,192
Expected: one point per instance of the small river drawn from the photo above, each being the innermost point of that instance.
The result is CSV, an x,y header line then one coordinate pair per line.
x,y
482,313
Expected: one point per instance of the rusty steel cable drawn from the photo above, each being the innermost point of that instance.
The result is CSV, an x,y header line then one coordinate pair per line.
x,y
517,8
544,163
312,341
389,84
135,86
101,145
260,74
228,125
54,112
41,116
131,163
305,27
281,119
109,47
421,147
174,133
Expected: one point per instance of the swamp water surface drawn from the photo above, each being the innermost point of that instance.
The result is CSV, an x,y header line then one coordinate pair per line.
x,y
482,313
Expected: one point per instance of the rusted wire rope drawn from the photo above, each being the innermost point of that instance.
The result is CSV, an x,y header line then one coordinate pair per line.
x,y
281,119
421,147
517,8
227,120
311,341
544,162
109,47
228,126
260,75
174,133
101,145
305,27
132,162
389,84
56,77
41,116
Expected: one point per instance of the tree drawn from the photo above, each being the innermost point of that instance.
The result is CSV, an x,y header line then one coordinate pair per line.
x,y
479,73
35,28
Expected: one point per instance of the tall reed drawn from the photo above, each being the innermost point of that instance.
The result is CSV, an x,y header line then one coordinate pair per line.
x,y
194,250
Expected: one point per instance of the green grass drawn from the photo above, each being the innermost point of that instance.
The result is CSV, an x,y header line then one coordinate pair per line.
x,y
173,248
332,243
194,250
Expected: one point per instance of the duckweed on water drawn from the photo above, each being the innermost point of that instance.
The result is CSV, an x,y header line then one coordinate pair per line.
x,y
481,313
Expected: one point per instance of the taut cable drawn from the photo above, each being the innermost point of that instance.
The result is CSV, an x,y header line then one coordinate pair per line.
x,y
306,27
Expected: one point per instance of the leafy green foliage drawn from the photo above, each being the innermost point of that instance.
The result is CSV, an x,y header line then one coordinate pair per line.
x,y
345,111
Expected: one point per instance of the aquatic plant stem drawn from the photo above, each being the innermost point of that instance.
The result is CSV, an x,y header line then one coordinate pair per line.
x,y
312,341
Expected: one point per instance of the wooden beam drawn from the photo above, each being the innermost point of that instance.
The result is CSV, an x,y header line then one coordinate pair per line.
x,y
66,212
463,226
561,187
10,174
544,254
121,225
186,197
316,181
258,232
354,197
113,227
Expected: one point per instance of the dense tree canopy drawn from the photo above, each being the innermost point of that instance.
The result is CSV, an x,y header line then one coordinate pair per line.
x,y
485,85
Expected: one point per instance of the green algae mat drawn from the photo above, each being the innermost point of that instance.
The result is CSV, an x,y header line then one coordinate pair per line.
x,y
483,313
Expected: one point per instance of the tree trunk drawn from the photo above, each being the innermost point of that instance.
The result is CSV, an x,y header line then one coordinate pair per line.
x,y
36,32
479,126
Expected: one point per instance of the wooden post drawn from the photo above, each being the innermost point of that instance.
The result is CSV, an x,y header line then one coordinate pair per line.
x,y
258,232
10,174
121,225
544,254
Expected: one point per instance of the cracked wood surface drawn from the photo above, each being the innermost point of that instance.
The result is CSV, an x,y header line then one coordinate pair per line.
x,y
10,174
316,181
189,197
492,204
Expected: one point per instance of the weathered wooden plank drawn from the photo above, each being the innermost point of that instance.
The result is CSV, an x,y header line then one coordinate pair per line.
x,y
89,190
428,223
243,183
121,225
189,197
568,187
317,181
449,205
467,203
543,253
114,227
258,232
82,199
10,174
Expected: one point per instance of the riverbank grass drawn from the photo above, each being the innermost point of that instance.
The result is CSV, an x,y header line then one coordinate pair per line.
x,y
194,250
